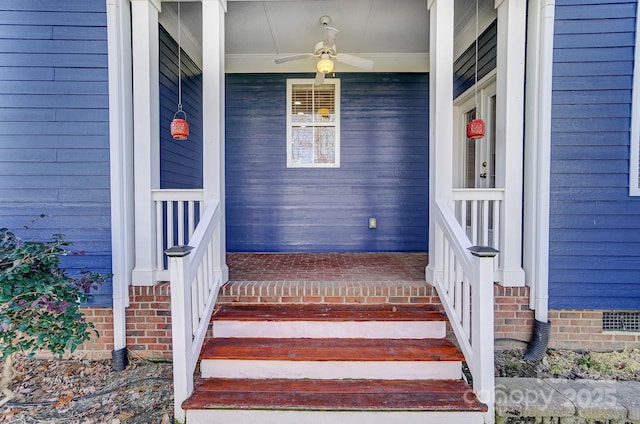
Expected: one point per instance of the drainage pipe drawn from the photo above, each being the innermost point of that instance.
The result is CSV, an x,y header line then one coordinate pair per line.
x,y
538,150
121,167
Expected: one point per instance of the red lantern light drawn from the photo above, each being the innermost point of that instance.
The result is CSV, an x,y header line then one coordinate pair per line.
x,y
180,127
476,129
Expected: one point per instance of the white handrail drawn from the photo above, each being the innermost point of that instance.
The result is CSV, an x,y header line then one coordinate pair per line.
x,y
465,288
177,215
195,276
479,211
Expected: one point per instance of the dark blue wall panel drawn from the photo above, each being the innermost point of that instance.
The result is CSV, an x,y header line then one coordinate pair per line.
x,y
180,161
464,68
383,173
595,224
54,136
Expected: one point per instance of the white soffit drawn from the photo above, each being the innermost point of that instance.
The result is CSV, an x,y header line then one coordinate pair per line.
x,y
393,33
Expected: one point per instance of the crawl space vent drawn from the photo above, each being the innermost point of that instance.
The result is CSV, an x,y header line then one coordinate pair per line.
x,y
621,321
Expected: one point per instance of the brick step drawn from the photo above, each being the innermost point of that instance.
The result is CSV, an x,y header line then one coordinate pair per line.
x,y
332,321
347,291
330,358
329,401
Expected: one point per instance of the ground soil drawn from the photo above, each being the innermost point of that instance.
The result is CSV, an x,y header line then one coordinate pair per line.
x,y
623,365
87,392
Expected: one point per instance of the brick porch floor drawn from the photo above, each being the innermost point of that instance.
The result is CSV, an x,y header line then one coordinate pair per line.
x,y
327,278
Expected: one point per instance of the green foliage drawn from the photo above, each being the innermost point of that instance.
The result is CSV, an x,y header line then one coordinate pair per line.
x,y
39,303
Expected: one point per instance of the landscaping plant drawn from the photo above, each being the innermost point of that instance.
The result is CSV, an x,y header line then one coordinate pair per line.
x,y
39,303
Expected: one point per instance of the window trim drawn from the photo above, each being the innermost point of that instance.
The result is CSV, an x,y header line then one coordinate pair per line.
x,y
634,150
310,81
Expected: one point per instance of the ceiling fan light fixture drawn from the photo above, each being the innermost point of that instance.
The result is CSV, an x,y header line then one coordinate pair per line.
x,y
325,64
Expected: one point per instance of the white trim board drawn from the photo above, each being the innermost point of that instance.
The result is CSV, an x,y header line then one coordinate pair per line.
x,y
634,151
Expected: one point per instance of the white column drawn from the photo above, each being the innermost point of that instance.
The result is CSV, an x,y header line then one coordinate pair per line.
x,y
510,133
213,119
121,161
146,134
440,120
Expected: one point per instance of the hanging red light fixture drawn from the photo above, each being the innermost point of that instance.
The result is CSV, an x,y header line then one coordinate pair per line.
x,y
476,128
179,126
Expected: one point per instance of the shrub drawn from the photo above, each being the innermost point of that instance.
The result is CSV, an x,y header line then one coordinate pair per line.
x,y
39,303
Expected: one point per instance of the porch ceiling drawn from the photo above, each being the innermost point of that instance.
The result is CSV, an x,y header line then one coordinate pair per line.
x,y
395,34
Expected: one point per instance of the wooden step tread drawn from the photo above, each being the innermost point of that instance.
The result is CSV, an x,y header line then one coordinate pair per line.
x,y
327,312
331,349
381,395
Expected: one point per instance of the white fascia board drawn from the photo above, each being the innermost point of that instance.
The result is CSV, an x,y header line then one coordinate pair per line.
x,y
396,62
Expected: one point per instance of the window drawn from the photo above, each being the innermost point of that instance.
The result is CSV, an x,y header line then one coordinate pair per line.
x,y
313,124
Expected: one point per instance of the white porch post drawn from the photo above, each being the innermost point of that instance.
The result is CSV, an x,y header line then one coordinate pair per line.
x,y
146,134
213,120
440,120
509,134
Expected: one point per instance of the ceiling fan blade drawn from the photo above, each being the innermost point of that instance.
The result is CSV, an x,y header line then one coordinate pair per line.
x,y
292,58
329,37
358,62
319,78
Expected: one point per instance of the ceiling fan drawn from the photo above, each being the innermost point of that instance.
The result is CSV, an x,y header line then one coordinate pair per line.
x,y
325,50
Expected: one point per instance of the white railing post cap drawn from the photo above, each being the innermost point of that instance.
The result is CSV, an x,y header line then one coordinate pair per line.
x,y
483,251
178,251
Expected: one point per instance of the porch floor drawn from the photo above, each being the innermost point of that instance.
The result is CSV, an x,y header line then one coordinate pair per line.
x,y
327,278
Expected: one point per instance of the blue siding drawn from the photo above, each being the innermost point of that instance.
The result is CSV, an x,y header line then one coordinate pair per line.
x,y
464,68
180,161
383,173
595,224
54,136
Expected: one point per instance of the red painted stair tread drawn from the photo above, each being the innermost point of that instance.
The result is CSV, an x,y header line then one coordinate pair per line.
x,y
404,395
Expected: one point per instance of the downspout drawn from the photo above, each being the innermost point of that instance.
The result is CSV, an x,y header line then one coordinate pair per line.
x,y
121,169
538,168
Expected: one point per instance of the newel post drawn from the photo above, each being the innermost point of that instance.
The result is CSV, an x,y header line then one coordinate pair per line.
x,y
482,331
181,327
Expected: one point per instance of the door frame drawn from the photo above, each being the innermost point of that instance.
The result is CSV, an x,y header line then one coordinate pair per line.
x,y
461,106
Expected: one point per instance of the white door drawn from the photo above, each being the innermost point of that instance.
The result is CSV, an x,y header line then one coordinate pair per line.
x,y
478,157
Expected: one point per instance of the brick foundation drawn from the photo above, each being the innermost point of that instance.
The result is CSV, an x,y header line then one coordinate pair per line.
x,y
149,314
513,319
570,329
149,321
148,325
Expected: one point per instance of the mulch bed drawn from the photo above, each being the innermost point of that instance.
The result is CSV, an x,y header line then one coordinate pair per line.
x,y
86,392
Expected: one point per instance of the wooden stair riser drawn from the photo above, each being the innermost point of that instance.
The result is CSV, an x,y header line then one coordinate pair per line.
x,y
384,370
331,329
226,416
